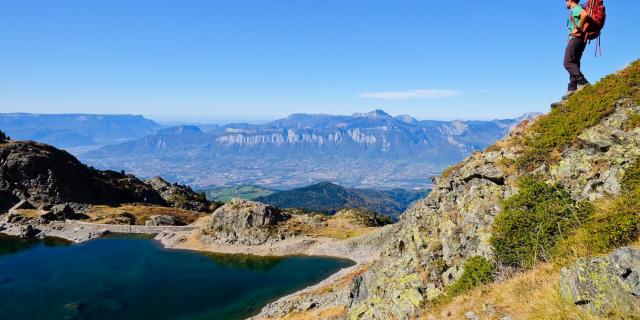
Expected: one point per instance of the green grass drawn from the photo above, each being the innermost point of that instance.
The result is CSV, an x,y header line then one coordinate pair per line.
x,y
614,223
247,192
559,129
477,271
533,222
632,122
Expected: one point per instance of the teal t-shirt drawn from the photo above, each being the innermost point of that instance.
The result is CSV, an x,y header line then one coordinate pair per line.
x,y
575,14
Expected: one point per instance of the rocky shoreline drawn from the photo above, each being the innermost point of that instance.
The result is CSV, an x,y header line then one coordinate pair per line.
x,y
335,290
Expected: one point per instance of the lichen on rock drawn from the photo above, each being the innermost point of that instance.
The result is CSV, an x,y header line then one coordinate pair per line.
x,y
604,285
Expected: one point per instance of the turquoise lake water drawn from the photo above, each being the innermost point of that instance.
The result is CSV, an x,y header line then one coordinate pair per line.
x,y
135,278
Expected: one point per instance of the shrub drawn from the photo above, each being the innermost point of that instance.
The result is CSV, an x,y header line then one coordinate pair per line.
x,y
631,180
3,136
477,271
533,221
615,222
632,122
559,129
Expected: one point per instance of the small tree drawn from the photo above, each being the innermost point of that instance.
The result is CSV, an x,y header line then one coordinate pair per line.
x,y
3,136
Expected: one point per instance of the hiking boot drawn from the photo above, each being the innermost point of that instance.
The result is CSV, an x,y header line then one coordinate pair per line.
x,y
557,104
584,85
568,94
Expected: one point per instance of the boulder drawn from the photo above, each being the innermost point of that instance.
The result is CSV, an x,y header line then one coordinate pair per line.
x,y
28,231
603,284
164,220
61,212
245,222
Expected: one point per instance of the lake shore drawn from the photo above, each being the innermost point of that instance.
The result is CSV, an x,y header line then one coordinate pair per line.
x,y
331,293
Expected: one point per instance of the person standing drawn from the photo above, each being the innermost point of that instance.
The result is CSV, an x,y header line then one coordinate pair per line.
x,y
575,47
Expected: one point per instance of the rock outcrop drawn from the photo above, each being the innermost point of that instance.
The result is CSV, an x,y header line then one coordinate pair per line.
x,y
164,220
438,234
179,196
605,284
245,222
43,176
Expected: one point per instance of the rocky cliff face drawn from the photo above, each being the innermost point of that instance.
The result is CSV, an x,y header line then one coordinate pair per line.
x,y
44,175
438,234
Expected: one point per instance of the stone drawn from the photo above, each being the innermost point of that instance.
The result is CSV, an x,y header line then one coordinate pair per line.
x,y
488,309
164,220
245,222
432,292
471,316
357,292
603,283
28,231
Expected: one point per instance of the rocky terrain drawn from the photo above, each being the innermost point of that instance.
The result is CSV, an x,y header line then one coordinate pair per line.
x,y
543,224
456,221
250,227
560,191
44,190
43,175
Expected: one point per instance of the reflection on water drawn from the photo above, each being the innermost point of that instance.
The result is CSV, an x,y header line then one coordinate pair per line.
x,y
135,278
244,261
9,244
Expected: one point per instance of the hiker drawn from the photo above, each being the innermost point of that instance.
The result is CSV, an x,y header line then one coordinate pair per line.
x,y
575,47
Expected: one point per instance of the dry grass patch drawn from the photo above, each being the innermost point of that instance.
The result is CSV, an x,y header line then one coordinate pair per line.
x,y
346,224
29,213
533,294
140,214
331,313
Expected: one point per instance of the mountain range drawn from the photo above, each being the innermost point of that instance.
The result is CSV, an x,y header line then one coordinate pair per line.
x,y
366,150
373,150
75,131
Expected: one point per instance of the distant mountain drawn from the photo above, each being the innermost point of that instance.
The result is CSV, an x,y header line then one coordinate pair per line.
x,y
75,130
246,192
365,149
329,198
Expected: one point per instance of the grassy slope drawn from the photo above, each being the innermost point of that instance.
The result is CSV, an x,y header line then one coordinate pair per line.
x,y
559,129
613,222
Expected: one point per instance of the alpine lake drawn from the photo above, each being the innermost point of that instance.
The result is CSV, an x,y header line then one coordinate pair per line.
x,y
134,277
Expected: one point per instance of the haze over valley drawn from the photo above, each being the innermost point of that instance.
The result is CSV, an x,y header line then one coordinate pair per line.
x,y
367,150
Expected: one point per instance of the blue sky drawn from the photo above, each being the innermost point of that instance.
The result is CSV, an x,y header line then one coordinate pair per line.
x,y
253,59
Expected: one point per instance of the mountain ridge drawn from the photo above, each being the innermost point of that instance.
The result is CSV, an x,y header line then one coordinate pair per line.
x,y
327,197
307,144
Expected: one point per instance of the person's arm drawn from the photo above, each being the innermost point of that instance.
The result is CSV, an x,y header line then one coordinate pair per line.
x,y
580,26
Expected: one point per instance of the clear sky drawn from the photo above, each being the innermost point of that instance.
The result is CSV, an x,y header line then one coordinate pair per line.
x,y
204,59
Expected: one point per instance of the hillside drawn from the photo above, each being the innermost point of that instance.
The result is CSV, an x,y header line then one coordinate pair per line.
x,y
365,150
43,176
545,223
76,130
246,192
327,197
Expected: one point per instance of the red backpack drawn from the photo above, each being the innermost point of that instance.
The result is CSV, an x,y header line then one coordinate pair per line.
x,y
597,17
594,23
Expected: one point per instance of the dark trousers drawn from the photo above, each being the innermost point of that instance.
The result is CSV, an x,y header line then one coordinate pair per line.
x,y
572,56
